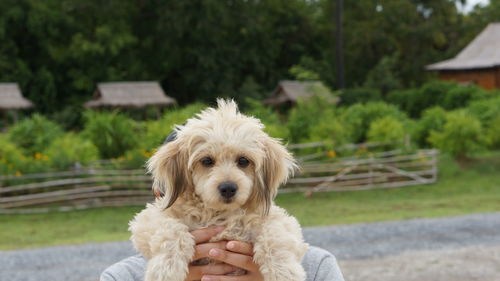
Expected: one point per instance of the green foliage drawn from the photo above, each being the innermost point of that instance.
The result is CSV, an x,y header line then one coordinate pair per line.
x,y
157,131
433,119
430,94
461,135
303,74
485,110
386,130
359,95
12,160
58,50
111,132
307,113
383,76
493,133
34,134
460,96
134,159
331,130
358,118
69,149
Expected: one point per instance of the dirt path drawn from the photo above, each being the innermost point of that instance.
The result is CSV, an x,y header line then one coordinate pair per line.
x,y
453,248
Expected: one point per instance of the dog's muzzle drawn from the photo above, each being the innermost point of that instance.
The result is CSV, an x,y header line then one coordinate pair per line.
x,y
227,190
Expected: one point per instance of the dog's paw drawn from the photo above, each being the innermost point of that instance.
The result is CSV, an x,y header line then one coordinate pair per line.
x,y
164,268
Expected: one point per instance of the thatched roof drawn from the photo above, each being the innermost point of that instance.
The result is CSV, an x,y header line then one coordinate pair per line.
x,y
291,91
482,52
129,94
11,97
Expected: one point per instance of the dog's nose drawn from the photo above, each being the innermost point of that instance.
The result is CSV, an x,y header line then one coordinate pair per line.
x,y
227,189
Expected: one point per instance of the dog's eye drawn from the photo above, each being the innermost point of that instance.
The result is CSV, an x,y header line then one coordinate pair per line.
x,y
243,162
207,162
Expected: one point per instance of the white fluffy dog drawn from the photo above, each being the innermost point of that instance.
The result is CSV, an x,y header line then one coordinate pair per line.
x,y
221,169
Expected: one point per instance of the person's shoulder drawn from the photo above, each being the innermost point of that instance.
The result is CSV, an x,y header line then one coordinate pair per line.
x,y
321,265
129,269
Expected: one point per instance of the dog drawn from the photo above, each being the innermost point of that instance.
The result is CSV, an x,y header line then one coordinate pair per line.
x,y
220,169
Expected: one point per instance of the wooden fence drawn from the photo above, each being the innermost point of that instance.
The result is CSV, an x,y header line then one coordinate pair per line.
x,y
88,187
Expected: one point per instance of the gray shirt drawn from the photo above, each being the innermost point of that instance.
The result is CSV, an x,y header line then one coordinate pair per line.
x,y
319,265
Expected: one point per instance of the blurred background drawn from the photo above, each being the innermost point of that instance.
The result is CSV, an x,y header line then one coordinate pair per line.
x,y
391,107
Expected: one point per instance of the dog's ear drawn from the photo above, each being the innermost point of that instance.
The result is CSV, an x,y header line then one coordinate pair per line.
x,y
169,171
278,165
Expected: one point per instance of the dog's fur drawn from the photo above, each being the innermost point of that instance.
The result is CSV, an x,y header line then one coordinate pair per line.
x,y
192,199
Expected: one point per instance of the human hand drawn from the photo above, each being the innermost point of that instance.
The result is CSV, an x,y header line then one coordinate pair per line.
x,y
202,248
237,254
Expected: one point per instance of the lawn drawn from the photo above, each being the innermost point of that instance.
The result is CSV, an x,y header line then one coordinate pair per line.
x,y
473,187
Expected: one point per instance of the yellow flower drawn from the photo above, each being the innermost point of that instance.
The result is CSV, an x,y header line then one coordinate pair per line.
x,y
38,155
331,153
45,158
18,174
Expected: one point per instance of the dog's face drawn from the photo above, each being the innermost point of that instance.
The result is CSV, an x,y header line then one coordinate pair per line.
x,y
225,159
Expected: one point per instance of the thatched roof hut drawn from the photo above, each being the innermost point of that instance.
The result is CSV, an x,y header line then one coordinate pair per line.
x,y
289,92
11,97
478,63
129,95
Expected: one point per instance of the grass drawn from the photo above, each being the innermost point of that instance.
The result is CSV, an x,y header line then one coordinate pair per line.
x,y
473,187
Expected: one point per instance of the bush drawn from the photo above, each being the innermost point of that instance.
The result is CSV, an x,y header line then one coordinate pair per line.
x,y
69,149
386,130
112,133
12,160
157,131
433,119
306,114
461,135
402,98
34,134
493,133
485,110
134,159
331,131
460,96
357,118
415,101
270,118
430,94
359,95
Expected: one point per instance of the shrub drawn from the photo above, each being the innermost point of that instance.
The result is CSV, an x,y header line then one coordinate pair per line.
x,y
430,94
384,76
433,119
359,95
112,133
306,113
493,133
34,134
135,158
485,110
157,131
461,134
331,131
415,101
358,117
69,149
402,98
386,130
270,118
460,96
12,160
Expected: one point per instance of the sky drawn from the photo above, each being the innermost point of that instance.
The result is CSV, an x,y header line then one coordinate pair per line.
x,y
471,3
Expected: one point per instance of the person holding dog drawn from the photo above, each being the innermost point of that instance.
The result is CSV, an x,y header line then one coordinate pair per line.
x,y
319,264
